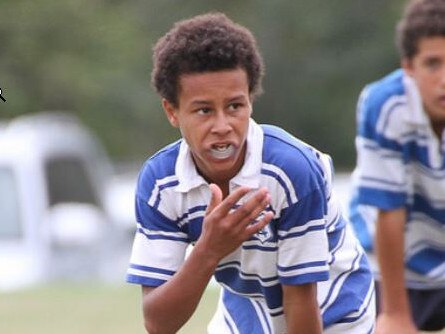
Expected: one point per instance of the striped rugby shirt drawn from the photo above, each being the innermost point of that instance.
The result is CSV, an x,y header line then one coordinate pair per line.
x,y
307,241
401,164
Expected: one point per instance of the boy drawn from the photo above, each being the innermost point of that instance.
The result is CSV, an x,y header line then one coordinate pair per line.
x,y
398,207
255,202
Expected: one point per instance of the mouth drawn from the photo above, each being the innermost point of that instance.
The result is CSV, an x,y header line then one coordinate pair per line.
x,y
222,151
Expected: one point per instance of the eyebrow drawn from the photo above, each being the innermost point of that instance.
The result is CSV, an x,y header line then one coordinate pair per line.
x,y
237,97
198,103
207,102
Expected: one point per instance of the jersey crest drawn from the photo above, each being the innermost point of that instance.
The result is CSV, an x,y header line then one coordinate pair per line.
x,y
265,234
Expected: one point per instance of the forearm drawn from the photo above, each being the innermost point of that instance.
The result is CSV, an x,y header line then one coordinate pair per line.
x,y
168,307
390,255
301,309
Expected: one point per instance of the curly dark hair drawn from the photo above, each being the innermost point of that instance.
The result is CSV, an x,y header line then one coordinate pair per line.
x,y
422,18
204,43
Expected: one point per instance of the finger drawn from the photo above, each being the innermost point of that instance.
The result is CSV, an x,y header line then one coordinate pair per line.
x,y
216,198
252,207
251,229
230,201
253,214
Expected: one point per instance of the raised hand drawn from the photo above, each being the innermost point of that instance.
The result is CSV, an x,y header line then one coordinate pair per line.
x,y
224,230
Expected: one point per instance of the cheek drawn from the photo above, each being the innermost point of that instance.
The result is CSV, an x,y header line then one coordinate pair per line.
x,y
192,136
428,96
426,85
427,91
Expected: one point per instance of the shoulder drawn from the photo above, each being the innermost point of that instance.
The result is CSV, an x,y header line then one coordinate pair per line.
x,y
280,145
160,166
378,92
382,105
299,161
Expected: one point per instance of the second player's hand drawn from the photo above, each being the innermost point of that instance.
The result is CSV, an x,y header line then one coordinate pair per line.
x,y
387,324
224,230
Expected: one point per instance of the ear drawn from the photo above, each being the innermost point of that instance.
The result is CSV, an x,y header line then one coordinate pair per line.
x,y
171,112
407,65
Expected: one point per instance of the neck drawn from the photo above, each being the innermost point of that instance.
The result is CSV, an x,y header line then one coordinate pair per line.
x,y
438,129
224,189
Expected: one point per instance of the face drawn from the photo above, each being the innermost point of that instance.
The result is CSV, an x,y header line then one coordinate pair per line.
x,y
427,68
213,115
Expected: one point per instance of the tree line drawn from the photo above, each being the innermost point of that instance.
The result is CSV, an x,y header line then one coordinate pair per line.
x,y
93,58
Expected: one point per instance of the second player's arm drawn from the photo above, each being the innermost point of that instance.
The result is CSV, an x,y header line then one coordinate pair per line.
x,y
395,316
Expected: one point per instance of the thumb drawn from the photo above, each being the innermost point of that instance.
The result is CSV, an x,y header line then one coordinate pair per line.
x,y
215,199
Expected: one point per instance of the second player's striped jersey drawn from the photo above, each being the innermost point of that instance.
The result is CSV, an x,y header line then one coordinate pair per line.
x,y
401,164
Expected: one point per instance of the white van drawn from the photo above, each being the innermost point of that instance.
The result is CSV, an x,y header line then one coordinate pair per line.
x,y
54,214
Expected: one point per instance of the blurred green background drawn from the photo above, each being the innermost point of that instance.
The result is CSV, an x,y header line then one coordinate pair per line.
x,y
93,58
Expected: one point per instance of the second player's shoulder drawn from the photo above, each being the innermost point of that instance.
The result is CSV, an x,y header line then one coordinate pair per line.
x,y
379,93
391,85
383,105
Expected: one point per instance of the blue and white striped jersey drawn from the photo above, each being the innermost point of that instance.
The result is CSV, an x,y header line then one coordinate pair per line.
x,y
307,241
401,163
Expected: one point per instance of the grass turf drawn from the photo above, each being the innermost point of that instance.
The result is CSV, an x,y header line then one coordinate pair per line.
x,y
86,309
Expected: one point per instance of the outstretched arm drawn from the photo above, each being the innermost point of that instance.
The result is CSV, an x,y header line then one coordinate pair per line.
x,y
168,307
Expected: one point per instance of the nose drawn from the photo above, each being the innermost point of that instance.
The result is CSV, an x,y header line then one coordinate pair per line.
x,y
221,124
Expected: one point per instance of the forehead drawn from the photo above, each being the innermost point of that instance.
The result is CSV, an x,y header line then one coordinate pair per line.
x,y
215,83
431,46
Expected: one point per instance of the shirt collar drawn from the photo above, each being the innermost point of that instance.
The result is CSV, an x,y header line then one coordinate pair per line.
x,y
249,175
185,170
416,113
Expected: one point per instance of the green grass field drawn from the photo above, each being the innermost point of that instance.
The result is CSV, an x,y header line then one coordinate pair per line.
x,y
86,309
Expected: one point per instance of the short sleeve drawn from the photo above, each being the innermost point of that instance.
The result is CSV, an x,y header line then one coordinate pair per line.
x,y
159,245
381,172
303,245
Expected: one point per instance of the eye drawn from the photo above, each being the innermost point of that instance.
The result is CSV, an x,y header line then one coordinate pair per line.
x,y
203,111
235,106
433,63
